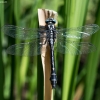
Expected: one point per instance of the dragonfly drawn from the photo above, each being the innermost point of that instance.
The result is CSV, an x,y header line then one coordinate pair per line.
x,y
66,40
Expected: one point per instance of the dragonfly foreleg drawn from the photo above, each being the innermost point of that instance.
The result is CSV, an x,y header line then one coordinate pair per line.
x,y
43,42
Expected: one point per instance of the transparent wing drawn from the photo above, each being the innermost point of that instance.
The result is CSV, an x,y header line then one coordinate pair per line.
x,y
23,33
75,47
79,32
26,49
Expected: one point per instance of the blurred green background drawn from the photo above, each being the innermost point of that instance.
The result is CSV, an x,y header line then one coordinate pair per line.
x,y
21,78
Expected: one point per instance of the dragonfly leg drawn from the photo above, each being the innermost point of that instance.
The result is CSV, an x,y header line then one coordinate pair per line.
x,y
43,42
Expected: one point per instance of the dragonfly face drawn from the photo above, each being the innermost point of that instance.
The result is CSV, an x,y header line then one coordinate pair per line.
x,y
66,41
50,20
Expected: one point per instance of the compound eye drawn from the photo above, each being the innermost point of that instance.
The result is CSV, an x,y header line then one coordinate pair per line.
x,y
54,21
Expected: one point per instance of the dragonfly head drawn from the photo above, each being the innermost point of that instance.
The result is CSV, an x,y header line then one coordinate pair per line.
x,y
50,20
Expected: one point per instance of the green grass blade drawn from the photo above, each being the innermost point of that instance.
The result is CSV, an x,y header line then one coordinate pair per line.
x,y
92,63
76,11
18,80
1,56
